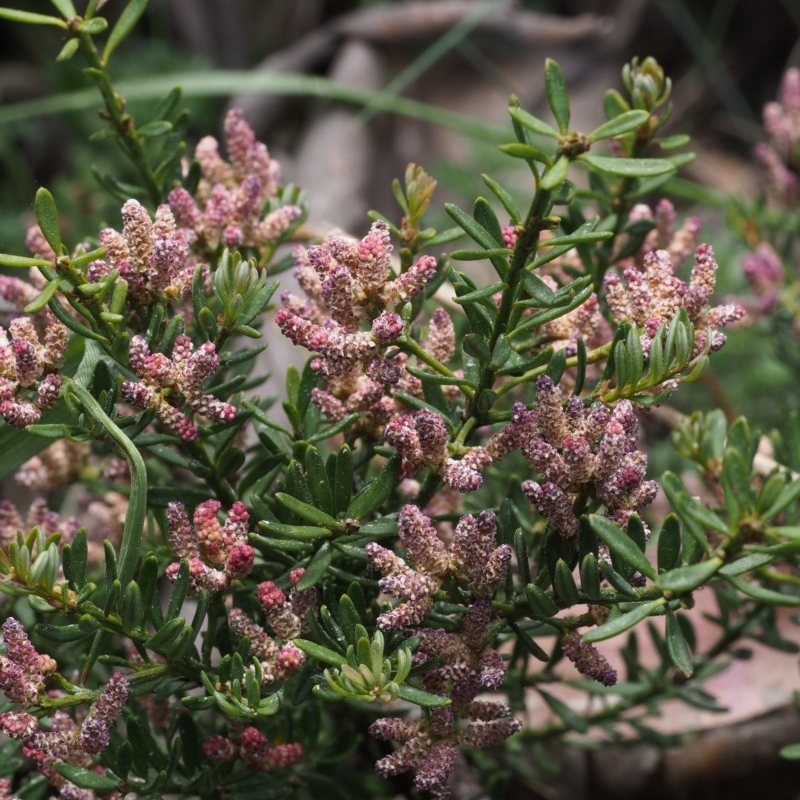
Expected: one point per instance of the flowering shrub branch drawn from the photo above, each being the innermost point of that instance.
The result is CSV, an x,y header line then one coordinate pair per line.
x,y
459,492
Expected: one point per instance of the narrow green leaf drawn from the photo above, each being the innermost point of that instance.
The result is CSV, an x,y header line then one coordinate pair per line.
x,y
669,544
628,167
564,584
152,130
127,20
94,26
86,778
624,123
790,752
43,298
570,718
557,97
487,219
67,9
422,698
316,567
476,345
687,579
318,483
376,492
746,564
556,175
526,151
165,638
787,496
539,601
590,576
768,597
528,643
617,625
307,512
532,123
301,533
47,217
473,229
31,18
62,633
508,202
621,544
677,646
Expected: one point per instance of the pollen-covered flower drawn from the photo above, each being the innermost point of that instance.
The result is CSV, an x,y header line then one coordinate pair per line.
x,y
166,382
29,381
218,553
464,667
422,438
654,295
234,205
588,660
578,450
472,557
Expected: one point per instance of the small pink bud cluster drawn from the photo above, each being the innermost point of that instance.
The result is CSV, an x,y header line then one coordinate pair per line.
x,y
466,668
217,553
472,557
654,295
782,126
29,383
422,438
228,207
576,450
253,747
178,379
151,255
287,617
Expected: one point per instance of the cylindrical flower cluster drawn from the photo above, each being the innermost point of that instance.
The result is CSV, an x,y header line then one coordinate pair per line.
x,y
217,553
167,381
578,451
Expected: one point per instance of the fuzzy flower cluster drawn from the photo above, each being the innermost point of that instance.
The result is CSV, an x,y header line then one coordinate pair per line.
x,y
578,452
227,209
59,464
24,673
29,364
178,379
779,156
680,241
472,557
588,660
422,440
364,388
152,255
653,295
217,553
429,746
286,617
348,284
64,740
253,747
